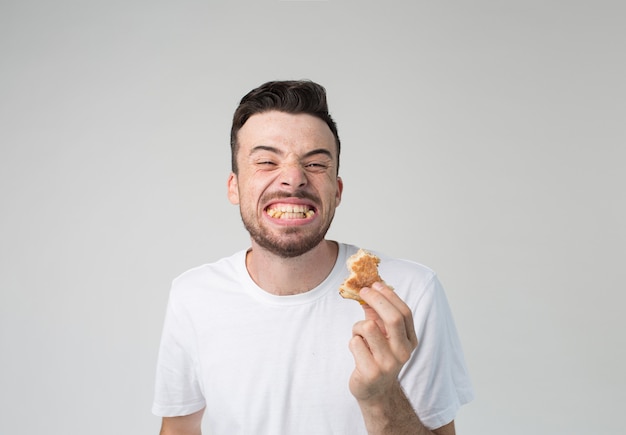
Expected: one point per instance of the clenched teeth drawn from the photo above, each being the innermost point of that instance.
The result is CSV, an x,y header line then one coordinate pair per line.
x,y
290,211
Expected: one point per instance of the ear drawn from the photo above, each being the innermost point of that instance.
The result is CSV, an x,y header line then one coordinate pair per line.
x,y
233,189
339,191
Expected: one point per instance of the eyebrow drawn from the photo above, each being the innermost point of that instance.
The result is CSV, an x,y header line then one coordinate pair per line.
x,y
275,150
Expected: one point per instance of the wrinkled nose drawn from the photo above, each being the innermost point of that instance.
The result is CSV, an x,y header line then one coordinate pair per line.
x,y
293,176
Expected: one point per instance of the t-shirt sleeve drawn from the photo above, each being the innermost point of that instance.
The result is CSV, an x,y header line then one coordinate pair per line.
x,y
436,378
177,387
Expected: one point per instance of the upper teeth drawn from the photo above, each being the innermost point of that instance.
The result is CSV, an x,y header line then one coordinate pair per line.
x,y
290,211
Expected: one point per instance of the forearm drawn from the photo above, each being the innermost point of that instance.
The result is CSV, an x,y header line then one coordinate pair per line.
x,y
392,415
183,425
381,345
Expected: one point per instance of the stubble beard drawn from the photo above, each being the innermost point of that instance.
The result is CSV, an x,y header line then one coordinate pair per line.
x,y
293,242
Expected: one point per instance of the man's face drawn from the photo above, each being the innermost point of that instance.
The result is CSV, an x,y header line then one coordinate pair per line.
x,y
287,187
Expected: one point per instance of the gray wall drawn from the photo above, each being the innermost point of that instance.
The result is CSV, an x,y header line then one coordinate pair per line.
x,y
485,139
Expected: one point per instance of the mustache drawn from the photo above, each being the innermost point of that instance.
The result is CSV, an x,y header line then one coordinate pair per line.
x,y
300,194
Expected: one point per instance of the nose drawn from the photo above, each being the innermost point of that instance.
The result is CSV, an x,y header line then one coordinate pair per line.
x,y
293,176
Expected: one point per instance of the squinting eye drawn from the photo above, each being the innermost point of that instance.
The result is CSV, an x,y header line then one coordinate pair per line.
x,y
316,166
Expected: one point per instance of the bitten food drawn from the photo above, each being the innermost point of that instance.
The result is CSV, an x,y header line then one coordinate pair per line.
x,y
363,267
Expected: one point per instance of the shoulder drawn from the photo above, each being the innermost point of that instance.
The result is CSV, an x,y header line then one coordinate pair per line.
x,y
405,267
399,269
414,282
227,269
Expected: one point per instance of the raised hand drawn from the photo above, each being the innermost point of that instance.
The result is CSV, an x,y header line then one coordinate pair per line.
x,y
381,343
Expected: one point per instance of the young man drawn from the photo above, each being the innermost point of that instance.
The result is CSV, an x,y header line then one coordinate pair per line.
x,y
262,343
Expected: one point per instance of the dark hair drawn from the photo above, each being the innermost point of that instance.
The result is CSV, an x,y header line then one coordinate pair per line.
x,y
290,96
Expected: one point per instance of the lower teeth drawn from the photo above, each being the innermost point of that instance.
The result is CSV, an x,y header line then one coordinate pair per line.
x,y
290,215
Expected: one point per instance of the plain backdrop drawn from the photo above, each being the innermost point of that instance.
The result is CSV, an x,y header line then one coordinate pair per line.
x,y
485,139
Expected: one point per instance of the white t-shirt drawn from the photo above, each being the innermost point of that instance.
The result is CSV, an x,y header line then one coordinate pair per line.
x,y
266,364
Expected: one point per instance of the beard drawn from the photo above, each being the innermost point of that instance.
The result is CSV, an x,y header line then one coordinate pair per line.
x,y
290,242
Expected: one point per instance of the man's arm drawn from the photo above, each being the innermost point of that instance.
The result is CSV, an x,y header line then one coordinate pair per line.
x,y
183,425
381,345
397,416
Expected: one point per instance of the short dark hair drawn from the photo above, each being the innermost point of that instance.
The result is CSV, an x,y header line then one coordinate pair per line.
x,y
290,96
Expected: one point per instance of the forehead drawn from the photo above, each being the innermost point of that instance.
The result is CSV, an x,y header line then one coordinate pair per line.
x,y
286,131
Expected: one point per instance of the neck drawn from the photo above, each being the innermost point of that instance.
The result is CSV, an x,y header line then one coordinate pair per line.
x,y
290,276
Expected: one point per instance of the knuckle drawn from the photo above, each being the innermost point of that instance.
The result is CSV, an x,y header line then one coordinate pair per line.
x,y
390,366
396,320
404,355
369,327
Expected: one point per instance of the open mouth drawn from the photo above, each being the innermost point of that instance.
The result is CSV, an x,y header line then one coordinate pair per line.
x,y
290,211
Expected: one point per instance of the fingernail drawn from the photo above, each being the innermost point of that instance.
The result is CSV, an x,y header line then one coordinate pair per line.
x,y
377,286
364,290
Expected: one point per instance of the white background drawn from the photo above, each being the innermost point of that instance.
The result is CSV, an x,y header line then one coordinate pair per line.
x,y
485,139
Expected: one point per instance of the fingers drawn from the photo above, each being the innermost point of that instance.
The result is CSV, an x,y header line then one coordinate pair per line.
x,y
381,343
390,313
362,355
374,348
370,314
367,379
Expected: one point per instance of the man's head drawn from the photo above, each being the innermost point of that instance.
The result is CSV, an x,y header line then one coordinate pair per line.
x,y
285,158
288,96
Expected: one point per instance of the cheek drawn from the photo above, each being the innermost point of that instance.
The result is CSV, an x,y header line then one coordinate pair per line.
x,y
249,195
333,191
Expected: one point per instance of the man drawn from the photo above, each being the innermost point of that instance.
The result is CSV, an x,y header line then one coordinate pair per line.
x,y
262,343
